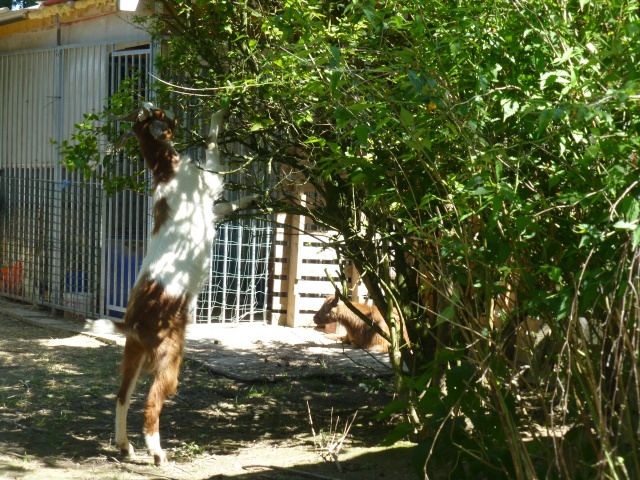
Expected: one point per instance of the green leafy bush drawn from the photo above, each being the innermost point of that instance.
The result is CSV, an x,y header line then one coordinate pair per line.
x,y
480,163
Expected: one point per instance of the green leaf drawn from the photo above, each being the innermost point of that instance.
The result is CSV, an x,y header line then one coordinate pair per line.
x,y
392,408
498,169
401,430
562,303
481,191
460,384
635,238
261,124
343,116
358,107
336,75
416,81
549,78
509,107
372,16
312,140
554,273
446,315
362,133
406,116
545,118
568,53
630,207
496,68
624,225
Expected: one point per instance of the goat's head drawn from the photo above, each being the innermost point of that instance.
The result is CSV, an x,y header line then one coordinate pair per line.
x,y
154,128
328,312
150,124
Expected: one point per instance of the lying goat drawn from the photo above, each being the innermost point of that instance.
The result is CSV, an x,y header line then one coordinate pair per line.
x,y
175,269
359,334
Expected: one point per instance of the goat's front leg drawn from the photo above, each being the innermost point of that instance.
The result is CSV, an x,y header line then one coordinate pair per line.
x,y
132,362
225,208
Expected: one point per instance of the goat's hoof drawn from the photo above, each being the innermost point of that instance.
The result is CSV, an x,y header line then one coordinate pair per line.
x,y
128,451
159,458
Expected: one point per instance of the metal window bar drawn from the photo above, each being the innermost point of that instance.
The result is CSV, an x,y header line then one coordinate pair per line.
x,y
83,89
127,214
238,289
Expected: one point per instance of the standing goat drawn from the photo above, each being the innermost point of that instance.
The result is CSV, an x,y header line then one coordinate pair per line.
x,y
359,334
175,269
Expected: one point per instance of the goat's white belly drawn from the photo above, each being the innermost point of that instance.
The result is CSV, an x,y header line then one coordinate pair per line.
x,y
178,256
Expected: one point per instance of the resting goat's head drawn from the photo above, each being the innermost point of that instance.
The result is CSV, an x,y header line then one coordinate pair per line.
x,y
155,128
329,312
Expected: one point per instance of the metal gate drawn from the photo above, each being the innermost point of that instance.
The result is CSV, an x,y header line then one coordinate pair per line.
x,y
49,237
63,242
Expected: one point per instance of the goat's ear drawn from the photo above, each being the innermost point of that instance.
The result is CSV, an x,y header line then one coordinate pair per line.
x,y
145,111
170,115
123,139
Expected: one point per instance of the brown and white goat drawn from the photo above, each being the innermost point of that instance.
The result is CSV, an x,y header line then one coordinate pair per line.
x,y
359,334
175,269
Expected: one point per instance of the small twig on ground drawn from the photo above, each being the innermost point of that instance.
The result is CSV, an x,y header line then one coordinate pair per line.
x,y
35,429
17,455
98,458
313,432
332,446
292,471
129,469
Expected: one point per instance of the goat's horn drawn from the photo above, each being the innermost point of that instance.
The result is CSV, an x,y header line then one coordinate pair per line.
x,y
123,138
139,114
127,117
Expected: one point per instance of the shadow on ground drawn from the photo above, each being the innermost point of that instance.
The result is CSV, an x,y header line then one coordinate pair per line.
x,y
57,398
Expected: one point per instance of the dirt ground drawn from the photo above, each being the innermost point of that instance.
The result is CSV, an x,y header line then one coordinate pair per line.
x,y
57,399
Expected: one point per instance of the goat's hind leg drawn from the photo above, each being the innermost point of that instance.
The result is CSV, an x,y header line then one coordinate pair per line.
x,y
133,360
164,385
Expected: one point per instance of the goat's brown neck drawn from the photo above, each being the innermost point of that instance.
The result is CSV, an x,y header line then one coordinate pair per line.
x,y
364,309
162,162
159,155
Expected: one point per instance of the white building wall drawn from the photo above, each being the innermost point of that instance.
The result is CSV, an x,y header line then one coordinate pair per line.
x,y
54,68
46,29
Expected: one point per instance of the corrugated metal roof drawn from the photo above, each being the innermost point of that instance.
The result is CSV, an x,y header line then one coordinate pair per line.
x,y
10,16
70,8
50,8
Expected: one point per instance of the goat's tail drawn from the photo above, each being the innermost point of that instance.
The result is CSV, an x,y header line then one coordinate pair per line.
x,y
105,326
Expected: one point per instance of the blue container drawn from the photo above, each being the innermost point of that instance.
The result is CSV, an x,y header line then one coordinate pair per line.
x,y
124,264
76,282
